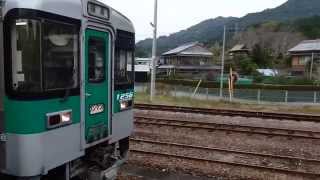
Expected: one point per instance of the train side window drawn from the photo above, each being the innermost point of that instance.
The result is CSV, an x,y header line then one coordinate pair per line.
x,y
123,66
129,61
97,53
26,61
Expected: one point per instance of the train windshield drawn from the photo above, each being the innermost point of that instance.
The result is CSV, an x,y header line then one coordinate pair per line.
x,y
44,56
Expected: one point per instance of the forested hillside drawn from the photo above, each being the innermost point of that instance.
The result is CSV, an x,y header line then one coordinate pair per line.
x,y
282,22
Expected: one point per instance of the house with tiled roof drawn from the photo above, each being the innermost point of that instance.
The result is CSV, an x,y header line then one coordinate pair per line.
x,y
304,56
239,50
188,58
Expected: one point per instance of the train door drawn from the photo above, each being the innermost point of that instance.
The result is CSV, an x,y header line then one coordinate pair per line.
x,y
97,88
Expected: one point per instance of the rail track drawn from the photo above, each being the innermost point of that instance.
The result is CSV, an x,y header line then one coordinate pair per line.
x,y
258,161
232,128
230,112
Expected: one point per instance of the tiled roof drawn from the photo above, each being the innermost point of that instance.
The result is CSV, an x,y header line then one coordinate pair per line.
x,y
206,67
239,47
308,45
187,49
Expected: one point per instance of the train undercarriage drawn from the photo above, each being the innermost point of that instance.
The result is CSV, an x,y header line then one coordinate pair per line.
x,y
101,162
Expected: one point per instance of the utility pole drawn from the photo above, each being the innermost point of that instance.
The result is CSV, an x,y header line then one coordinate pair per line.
x,y
154,52
236,29
222,61
311,65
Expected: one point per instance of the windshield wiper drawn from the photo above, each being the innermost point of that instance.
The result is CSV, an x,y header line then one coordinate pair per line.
x,y
66,95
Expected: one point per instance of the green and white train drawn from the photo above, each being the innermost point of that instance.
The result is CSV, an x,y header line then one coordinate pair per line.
x,y
66,89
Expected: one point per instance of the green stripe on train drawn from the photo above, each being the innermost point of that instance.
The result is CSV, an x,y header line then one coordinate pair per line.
x,y
29,117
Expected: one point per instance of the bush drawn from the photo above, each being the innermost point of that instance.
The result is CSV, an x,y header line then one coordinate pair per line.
x,y
283,80
247,66
212,84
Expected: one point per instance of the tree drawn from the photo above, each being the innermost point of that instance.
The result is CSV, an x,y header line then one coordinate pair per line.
x,y
261,56
310,27
248,67
216,50
141,53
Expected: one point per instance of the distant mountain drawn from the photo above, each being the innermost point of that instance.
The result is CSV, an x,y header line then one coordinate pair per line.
x,y
210,30
292,9
203,32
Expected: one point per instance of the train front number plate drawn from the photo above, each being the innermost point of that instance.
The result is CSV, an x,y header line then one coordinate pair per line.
x,y
96,109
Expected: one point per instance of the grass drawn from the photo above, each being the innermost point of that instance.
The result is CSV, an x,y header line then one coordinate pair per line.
x,y
188,102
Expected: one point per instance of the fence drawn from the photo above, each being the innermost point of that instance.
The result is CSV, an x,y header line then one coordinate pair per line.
x,y
249,95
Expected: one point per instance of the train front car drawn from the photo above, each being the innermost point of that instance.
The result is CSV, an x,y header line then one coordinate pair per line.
x,y
66,89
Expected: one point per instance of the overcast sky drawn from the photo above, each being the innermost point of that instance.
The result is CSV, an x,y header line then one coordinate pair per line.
x,y
176,15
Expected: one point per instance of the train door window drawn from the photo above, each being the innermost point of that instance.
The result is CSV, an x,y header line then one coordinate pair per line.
x,y
97,48
26,71
60,42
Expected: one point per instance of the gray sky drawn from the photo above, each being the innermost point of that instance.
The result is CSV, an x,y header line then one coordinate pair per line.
x,y
176,15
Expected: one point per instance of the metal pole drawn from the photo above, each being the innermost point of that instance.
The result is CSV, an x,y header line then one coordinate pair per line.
x,y
67,174
286,96
222,63
154,52
311,65
259,96
207,93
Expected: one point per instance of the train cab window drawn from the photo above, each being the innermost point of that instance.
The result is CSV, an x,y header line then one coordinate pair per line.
x,y
26,68
97,58
44,58
60,56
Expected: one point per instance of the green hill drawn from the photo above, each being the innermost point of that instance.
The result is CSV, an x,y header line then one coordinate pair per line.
x,y
210,31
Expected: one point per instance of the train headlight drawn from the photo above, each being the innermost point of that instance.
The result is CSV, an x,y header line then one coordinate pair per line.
x,y
59,119
125,105
66,117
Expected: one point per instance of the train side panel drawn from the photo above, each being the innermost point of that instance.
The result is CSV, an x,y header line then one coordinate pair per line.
x,y
2,128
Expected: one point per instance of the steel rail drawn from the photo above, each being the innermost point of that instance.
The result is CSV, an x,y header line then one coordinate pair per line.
x,y
236,127
227,163
225,150
231,112
223,162
227,127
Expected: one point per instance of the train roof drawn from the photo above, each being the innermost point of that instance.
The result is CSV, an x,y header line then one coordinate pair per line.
x,y
69,8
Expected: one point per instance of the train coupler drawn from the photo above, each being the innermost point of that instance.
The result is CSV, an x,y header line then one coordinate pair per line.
x,y
95,173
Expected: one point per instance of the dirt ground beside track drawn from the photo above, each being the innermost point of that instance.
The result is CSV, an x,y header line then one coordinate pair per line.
x,y
301,148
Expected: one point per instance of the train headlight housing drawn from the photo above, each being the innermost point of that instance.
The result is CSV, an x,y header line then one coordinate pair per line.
x,y
59,119
125,100
125,104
